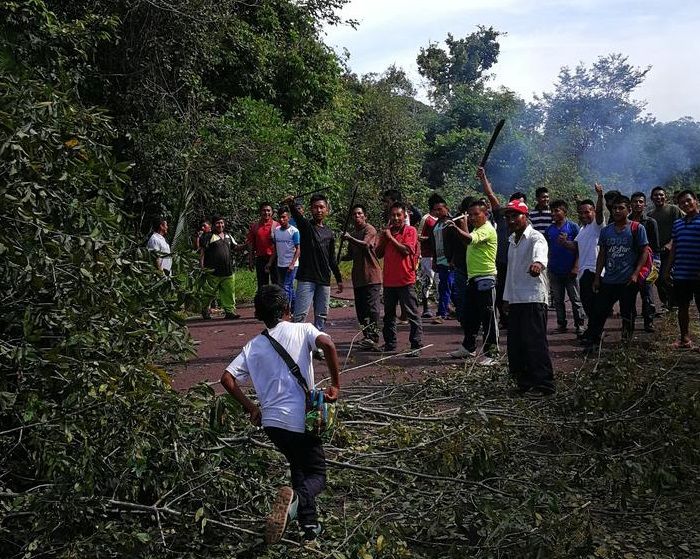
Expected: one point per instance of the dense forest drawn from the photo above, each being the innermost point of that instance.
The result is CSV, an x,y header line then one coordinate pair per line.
x,y
115,111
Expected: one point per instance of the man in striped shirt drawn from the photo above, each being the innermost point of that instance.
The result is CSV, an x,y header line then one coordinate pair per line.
x,y
541,216
684,263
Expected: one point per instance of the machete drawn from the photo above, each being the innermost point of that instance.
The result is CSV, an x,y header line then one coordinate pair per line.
x,y
494,137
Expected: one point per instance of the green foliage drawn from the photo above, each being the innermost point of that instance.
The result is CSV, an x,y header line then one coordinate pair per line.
x,y
385,142
606,468
463,64
592,105
112,112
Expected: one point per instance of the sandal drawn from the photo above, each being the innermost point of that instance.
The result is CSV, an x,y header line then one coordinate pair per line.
x,y
680,344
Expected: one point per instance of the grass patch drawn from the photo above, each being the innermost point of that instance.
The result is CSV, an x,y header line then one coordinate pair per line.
x,y
246,282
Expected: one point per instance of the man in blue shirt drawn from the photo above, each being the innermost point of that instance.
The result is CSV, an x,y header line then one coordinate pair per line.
x,y
622,254
684,260
563,265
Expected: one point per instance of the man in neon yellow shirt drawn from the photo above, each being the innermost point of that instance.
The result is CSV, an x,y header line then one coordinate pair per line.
x,y
482,244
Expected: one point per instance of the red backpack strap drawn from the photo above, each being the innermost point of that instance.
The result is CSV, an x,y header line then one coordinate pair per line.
x,y
634,227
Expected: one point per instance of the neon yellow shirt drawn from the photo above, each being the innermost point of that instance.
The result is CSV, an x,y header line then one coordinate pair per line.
x,y
481,252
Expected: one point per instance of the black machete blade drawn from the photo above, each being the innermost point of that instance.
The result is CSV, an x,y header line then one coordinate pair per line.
x,y
494,136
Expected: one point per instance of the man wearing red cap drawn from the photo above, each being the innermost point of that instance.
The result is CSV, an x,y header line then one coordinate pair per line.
x,y
525,300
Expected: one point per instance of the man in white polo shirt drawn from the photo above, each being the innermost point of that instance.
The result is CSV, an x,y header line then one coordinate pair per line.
x,y
525,299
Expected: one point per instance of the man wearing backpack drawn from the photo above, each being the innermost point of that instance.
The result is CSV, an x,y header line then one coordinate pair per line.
x,y
623,254
282,409
639,202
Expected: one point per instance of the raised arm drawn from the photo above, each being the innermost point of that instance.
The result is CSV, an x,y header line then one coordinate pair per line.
x,y
599,217
488,190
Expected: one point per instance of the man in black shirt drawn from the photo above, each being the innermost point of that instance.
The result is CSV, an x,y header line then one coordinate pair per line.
x,y
216,250
316,261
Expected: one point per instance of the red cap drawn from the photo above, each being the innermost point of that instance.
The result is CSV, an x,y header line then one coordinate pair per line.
x,y
517,206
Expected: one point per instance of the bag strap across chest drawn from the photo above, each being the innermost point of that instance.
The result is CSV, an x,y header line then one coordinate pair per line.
x,y
291,364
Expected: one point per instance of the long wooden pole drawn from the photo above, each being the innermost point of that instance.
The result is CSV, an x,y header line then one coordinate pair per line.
x,y
347,222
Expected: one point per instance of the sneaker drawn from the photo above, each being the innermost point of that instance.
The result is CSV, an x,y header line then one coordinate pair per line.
x,y
284,509
427,314
368,344
487,361
438,320
231,316
318,354
462,353
310,533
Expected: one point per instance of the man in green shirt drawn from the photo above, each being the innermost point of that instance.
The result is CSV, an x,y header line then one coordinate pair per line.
x,y
482,244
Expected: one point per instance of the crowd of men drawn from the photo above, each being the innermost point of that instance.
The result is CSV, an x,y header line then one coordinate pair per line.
x,y
464,259
492,267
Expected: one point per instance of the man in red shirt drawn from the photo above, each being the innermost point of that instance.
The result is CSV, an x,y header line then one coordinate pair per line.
x,y
398,245
260,245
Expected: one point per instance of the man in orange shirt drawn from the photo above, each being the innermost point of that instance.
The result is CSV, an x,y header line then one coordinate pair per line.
x,y
261,245
398,245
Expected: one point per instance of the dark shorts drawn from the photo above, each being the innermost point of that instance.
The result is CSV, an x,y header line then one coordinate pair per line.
x,y
685,290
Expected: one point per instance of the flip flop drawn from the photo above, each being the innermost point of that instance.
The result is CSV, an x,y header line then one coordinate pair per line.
x,y
680,344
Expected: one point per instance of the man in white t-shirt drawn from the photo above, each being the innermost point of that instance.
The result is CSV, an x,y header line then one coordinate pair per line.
x,y
282,405
161,248
592,222
286,244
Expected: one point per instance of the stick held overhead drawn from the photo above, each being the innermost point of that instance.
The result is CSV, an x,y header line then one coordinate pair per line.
x,y
492,141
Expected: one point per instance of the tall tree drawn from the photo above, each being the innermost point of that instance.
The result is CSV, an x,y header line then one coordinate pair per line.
x,y
464,63
591,105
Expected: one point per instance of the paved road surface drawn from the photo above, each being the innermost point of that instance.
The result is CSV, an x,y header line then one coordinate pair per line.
x,y
220,340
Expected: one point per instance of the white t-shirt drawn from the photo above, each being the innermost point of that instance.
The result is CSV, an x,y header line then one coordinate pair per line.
x,y
158,243
282,400
587,241
286,241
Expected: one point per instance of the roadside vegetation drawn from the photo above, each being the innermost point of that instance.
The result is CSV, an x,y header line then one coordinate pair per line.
x,y
113,112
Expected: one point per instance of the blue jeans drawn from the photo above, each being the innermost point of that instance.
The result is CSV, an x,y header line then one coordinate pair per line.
x,y
459,296
285,279
309,292
560,287
445,287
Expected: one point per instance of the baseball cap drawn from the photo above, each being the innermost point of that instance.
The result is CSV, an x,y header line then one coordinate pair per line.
x,y
518,207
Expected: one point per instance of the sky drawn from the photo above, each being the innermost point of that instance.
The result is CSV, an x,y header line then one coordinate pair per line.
x,y
542,36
